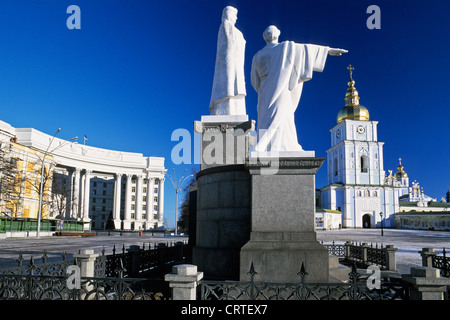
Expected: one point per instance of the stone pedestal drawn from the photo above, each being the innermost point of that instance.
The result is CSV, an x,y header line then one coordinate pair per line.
x,y
223,195
225,139
282,221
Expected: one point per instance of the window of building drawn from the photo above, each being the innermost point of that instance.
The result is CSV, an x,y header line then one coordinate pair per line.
x,y
30,167
335,166
364,163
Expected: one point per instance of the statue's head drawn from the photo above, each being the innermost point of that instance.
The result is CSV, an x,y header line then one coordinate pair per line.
x,y
229,13
271,34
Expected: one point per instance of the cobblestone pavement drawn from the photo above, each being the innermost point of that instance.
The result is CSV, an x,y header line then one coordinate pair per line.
x,y
408,242
10,248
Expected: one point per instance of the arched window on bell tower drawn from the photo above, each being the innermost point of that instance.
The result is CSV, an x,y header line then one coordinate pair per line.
x,y
364,164
335,166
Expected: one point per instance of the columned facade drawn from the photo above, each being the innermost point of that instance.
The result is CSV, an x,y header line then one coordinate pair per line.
x,y
111,189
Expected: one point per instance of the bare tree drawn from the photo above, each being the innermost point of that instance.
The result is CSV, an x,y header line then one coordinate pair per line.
x,y
11,183
183,223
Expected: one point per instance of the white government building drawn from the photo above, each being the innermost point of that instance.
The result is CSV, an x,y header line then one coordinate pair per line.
x,y
358,189
124,188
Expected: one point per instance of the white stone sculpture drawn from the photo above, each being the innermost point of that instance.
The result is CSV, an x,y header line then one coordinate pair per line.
x,y
278,72
228,92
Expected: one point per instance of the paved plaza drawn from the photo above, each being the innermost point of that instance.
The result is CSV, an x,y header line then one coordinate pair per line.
x,y
408,243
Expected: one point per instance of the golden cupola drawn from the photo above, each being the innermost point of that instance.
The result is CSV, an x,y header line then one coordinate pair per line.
x,y
400,173
352,110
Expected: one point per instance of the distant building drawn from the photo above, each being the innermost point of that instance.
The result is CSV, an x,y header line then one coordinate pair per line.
x,y
93,184
357,184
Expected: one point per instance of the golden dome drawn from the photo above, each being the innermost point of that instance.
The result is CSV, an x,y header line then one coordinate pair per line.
x,y
400,173
352,110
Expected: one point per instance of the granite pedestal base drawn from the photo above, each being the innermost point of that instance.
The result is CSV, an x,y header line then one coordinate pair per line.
x,y
282,221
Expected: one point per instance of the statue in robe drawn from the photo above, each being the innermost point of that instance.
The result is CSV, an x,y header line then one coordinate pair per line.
x,y
277,74
228,92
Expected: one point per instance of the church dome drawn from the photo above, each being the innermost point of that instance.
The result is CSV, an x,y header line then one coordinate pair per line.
x,y
352,110
400,173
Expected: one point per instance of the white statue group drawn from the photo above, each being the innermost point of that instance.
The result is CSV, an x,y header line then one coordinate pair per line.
x,y
277,74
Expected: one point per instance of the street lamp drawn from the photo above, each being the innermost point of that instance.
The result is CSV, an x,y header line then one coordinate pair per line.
x,y
381,223
41,185
177,185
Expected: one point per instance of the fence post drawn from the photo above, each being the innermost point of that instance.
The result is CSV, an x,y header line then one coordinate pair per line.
x,y
347,250
86,262
183,281
427,283
364,257
427,256
134,261
391,263
162,248
180,246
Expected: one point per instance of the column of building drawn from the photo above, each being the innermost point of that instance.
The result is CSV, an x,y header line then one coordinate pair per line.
x,y
149,209
116,201
160,215
138,207
80,196
127,203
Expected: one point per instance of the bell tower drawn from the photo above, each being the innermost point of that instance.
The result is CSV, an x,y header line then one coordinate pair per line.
x,y
356,155
355,167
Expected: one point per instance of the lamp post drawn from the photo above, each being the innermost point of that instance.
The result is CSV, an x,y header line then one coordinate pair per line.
x,y
41,185
381,223
177,185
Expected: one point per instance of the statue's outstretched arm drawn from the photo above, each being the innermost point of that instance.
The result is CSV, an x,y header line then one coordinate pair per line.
x,y
336,52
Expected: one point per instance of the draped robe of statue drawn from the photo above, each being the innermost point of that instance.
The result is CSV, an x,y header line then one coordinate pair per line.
x,y
228,92
278,73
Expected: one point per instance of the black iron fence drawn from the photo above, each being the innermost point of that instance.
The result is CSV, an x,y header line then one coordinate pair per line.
x,y
363,254
442,263
358,287
57,268
141,261
121,275
51,287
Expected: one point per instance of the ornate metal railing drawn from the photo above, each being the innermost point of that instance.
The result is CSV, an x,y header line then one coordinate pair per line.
x,y
442,263
45,268
355,289
362,253
140,260
337,250
40,287
376,255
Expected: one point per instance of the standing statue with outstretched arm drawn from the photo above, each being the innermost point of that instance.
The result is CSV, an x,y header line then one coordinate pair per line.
x,y
228,92
278,73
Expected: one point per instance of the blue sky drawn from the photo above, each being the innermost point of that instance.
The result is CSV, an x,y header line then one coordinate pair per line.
x,y
138,70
